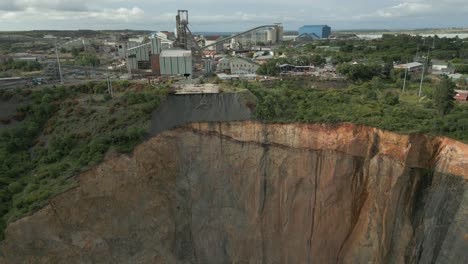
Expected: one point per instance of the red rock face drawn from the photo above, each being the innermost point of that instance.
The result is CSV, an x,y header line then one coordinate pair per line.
x,y
255,193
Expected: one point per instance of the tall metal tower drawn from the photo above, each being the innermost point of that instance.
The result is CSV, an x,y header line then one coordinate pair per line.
x,y
182,29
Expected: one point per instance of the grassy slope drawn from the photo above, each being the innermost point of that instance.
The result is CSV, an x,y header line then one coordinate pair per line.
x,y
65,131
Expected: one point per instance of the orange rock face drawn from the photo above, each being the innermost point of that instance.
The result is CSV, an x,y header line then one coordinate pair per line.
x,y
254,193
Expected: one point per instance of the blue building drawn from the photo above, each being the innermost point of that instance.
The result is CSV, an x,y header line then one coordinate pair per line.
x,y
315,31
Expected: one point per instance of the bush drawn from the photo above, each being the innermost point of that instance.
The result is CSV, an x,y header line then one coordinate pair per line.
x,y
15,187
462,68
361,104
390,98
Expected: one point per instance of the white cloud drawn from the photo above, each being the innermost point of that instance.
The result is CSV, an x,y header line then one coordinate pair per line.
x,y
226,15
418,8
30,14
8,16
63,5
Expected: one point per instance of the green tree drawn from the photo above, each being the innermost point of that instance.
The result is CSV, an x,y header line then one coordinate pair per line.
x,y
390,98
359,72
462,68
342,58
88,59
444,96
269,108
463,123
398,74
269,68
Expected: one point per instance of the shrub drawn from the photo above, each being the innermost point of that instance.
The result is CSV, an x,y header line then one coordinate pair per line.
x,y
15,187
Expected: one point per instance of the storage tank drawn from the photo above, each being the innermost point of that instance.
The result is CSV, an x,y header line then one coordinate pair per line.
x,y
271,35
279,32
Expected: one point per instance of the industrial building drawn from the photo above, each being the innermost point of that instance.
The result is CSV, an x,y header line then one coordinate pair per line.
x,y
183,55
412,67
140,57
315,31
237,66
208,40
123,47
264,35
166,43
176,62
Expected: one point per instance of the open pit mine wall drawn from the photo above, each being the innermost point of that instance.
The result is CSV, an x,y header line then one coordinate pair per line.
x,y
179,110
247,192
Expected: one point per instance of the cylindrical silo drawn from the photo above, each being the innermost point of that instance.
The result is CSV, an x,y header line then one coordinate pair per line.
x,y
279,32
271,35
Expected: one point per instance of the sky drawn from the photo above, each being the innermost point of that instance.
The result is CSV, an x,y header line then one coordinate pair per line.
x,y
226,16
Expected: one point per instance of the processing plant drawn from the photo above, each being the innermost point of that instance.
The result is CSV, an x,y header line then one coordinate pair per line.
x,y
184,57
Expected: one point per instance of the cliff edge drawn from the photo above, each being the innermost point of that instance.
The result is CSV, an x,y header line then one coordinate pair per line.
x,y
247,192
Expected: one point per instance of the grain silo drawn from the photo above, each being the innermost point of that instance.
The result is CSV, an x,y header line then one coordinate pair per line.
x,y
271,35
279,32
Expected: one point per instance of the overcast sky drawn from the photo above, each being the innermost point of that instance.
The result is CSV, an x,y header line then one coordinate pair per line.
x,y
221,15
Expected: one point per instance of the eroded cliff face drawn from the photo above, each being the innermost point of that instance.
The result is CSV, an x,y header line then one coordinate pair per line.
x,y
254,193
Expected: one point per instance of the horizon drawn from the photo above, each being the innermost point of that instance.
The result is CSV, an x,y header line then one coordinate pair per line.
x,y
224,16
240,30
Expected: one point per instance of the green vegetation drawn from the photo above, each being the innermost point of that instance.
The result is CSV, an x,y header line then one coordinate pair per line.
x,y
402,48
87,59
81,58
443,96
359,72
375,103
62,132
391,48
20,65
461,68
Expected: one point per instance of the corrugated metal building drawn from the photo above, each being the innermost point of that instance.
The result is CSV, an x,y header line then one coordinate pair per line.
x,y
156,46
176,62
208,65
139,57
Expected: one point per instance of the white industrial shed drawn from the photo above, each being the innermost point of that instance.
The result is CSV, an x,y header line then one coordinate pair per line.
x,y
176,62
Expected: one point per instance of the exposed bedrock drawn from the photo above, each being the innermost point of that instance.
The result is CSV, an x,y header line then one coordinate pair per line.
x,y
247,192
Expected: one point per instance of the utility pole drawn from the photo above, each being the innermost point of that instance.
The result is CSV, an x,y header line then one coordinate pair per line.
x,y
58,62
406,73
424,69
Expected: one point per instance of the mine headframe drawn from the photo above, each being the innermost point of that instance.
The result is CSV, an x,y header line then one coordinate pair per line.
x,y
183,32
